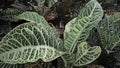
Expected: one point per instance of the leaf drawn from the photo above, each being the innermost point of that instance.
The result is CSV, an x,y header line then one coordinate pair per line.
x,y
79,28
5,65
86,54
115,17
73,32
50,2
36,18
92,9
29,42
10,14
110,34
33,17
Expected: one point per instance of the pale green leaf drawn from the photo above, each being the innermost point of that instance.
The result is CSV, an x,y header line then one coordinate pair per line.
x,y
10,14
29,42
36,18
73,32
115,17
86,54
6,65
33,17
109,32
79,28
92,9
50,2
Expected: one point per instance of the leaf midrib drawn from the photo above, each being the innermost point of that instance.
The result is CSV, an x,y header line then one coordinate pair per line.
x,y
78,35
27,47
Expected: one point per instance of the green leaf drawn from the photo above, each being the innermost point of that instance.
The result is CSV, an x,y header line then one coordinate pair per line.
x,y
50,2
86,54
109,33
6,65
74,31
36,18
33,17
29,42
10,14
115,17
79,28
92,9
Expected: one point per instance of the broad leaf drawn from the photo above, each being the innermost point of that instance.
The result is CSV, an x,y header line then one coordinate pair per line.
x,y
33,17
74,31
92,9
109,32
79,28
28,43
85,55
36,18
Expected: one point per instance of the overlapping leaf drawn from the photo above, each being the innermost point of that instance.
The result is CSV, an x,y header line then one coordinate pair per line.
x,y
29,42
72,34
115,17
10,14
109,32
85,55
6,65
92,9
50,2
35,18
78,29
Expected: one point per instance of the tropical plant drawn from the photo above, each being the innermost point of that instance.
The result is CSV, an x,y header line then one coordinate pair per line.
x,y
36,40
110,36
9,14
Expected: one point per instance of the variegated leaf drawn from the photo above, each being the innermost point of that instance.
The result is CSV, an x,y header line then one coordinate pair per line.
x,y
115,17
79,28
109,32
86,54
29,42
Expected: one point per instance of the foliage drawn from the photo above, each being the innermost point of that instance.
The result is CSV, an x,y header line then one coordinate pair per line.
x,y
89,16
10,14
35,39
109,31
29,42
110,36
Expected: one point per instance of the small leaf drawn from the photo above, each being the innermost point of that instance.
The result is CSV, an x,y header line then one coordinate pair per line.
x,y
10,14
86,54
115,17
50,2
